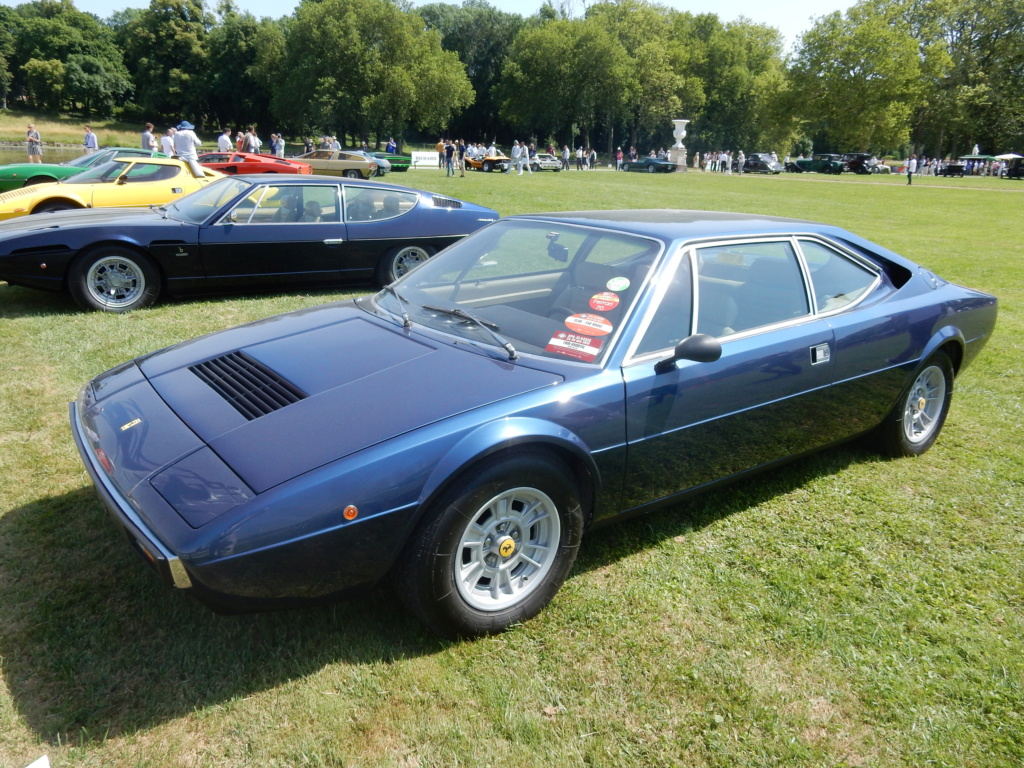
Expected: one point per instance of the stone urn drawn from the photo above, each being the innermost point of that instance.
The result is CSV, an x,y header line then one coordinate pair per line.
x,y
679,149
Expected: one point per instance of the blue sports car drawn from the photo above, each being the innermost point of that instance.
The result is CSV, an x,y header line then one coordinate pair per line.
x,y
568,369
237,234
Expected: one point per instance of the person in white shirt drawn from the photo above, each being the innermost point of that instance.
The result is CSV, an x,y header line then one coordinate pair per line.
x,y
224,143
167,142
185,141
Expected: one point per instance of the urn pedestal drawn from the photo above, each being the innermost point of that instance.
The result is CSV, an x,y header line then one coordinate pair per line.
x,y
679,149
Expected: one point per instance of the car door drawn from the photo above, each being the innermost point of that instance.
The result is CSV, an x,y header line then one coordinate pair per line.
x,y
279,234
701,422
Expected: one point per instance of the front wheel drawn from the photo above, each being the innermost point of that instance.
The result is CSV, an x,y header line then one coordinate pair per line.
x,y
625,166
651,169
535,168
916,420
495,548
113,279
488,166
399,261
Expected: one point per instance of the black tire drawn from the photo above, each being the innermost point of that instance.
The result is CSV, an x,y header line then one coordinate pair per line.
x,y
352,173
651,169
39,180
113,279
55,205
488,166
398,261
511,564
625,166
535,168
917,418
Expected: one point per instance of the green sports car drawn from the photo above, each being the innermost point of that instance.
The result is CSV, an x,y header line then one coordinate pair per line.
x,y
821,163
17,175
398,162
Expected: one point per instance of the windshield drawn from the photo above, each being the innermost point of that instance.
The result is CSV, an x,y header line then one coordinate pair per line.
x,y
87,161
200,205
551,289
104,173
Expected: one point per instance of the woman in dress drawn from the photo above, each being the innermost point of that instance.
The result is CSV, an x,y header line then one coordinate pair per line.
x,y
35,144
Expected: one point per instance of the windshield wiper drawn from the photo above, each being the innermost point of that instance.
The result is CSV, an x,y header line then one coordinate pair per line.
x,y
488,326
406,322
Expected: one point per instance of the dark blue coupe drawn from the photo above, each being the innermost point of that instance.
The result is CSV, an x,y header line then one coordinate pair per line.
x,y
239,234
465,427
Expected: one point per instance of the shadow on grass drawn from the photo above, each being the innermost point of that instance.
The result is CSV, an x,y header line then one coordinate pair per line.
x,y
95,646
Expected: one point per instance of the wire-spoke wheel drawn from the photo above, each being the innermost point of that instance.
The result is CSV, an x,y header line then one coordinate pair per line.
x,y
916,420
495,548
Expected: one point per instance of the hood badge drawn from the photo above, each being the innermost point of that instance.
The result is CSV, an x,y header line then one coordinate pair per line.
x,y
130,424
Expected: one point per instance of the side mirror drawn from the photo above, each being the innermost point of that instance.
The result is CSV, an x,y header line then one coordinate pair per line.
x,y
700,348
122,179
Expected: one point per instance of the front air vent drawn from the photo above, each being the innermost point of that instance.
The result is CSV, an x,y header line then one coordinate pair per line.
x,y
253,389
446,202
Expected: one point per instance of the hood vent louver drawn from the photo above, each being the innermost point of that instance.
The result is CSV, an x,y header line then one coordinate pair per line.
x,y
446,202
253,389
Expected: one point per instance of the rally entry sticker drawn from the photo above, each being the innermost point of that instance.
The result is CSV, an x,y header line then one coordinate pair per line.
x,y
617,284
604,301
595,325
575,345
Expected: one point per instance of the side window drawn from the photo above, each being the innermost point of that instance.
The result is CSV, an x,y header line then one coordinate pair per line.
x,y
288,204
369,204
152,172
671,321
747,285
837,280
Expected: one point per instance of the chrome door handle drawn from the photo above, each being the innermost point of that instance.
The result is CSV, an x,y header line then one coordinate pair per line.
x,y
334,241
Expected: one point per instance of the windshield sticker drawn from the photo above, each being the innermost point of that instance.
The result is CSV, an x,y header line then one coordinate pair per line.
x,y
575,346
618,284
604,301
595,325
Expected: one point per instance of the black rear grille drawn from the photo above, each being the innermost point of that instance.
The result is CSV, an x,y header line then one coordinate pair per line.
x,y
252,388
446,202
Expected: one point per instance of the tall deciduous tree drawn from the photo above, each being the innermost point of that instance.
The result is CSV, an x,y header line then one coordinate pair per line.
x,y
358,66
166,49
238,84
859,77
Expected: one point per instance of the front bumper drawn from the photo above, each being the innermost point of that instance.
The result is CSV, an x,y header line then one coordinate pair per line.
x,y
143,540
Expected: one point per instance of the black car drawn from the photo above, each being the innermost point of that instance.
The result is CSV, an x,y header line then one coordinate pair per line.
x,y
237,233
649,165
759,162
859,162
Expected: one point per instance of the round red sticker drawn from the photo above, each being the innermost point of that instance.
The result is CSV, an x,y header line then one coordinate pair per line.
x,y
604,301
593,325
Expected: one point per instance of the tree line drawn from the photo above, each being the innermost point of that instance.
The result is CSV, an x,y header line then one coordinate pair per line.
x,y
886,76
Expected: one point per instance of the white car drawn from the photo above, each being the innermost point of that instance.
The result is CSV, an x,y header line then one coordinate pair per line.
x,y
545,162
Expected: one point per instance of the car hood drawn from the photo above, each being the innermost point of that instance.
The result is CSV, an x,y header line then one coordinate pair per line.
x,y
79,217
342,380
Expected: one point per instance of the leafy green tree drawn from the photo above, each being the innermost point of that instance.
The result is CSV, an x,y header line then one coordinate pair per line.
x,y
239,80
55,31
859,79
481,35
166,52
362,66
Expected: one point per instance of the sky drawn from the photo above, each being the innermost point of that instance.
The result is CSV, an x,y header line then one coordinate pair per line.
x,y
790,17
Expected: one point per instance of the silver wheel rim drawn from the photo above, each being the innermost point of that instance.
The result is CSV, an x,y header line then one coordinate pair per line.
x,y
924,404
408,258
115,282
507,549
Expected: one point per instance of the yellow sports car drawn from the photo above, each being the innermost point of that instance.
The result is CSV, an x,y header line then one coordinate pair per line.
x,y
123,182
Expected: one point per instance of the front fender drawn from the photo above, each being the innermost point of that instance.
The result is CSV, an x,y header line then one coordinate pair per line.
x,y
496,436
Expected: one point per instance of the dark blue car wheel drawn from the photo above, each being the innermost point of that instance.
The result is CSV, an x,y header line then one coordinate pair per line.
x,y
495,548
399,261
915,422
113,279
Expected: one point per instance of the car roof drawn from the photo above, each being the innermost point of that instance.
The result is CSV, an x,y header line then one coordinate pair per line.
x,y
280,178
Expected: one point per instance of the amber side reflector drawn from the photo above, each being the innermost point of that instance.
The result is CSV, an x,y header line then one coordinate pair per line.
x,y
350,513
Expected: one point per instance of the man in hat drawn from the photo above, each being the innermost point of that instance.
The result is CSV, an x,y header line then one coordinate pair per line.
x,y
185,141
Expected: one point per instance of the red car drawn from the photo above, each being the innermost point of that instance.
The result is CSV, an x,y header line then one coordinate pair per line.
x,y
247,162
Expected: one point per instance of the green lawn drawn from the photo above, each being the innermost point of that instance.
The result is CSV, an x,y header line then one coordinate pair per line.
x,y
845,611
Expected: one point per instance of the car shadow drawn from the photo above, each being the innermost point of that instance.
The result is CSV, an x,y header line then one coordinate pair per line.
x,y
94,645
18,302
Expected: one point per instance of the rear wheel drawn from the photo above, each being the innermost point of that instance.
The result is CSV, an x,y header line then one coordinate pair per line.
x,y
488,166
352,173
495,548
916,420
398,261
651,169
625,166
39,180
113,279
